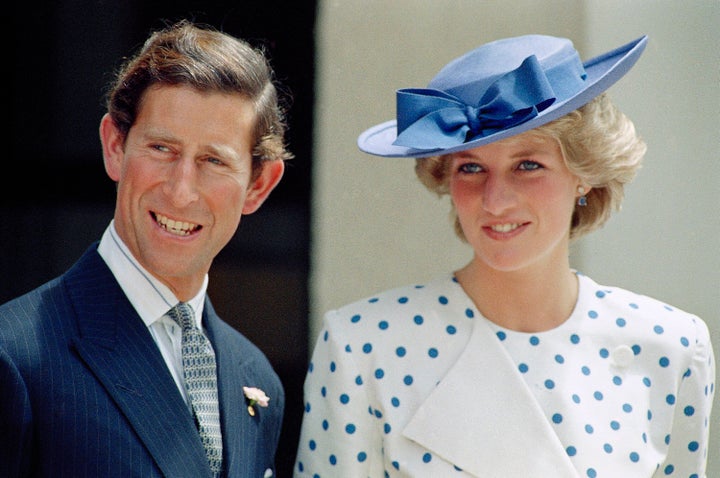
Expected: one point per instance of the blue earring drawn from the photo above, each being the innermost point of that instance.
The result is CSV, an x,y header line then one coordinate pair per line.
x,y
582,200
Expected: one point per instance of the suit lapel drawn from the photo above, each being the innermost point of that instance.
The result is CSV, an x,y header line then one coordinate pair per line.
x,y
118,348
508,436
239,428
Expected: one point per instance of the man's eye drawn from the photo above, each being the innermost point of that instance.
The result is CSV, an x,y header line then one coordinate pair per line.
x,y
161,148
215,161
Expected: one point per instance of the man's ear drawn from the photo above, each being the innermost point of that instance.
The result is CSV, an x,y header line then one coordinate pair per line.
x,y
112,146
260,189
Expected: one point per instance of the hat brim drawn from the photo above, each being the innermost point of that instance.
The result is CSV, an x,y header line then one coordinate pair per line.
x,y
602,72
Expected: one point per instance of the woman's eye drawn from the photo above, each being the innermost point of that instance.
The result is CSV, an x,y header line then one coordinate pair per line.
x,y
529,166
469,168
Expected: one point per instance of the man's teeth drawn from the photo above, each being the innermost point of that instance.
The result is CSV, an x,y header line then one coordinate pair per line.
x,y
504,227
175,227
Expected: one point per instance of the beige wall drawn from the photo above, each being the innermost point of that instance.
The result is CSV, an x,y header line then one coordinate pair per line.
x,y
376,227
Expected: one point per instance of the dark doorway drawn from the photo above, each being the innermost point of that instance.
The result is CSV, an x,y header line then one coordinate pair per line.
x,y
64,54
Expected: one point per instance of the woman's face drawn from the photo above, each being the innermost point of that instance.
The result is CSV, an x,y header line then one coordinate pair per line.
x,y
514,200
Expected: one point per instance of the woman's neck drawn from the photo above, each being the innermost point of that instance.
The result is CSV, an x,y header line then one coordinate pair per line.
x,y
534,299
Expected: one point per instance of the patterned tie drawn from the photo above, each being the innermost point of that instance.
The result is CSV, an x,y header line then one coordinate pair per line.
x,y
201,382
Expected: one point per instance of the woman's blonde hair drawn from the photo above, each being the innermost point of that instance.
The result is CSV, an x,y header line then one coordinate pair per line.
x,y
599,145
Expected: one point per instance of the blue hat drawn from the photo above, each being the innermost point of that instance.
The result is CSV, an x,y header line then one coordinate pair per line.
x,y
498,90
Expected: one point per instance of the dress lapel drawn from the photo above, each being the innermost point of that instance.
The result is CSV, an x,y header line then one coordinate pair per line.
x,y
483,418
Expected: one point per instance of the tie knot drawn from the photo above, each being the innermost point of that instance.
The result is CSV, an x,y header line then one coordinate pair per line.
x,y
183,314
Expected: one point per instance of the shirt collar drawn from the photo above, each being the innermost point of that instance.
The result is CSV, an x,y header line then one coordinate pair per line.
x,y
150,297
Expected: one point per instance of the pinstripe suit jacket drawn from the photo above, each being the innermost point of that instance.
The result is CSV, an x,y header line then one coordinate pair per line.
x,y
84,390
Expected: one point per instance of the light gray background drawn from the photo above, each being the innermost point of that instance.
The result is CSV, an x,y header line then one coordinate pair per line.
x,y
376,227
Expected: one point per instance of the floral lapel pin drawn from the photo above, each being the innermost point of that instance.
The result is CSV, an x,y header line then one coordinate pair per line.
x,y
255,396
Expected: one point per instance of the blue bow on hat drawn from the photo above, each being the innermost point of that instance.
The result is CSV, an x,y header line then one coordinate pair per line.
x,y
498,90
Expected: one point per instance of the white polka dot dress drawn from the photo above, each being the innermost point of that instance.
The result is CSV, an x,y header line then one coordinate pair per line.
x,y
625,387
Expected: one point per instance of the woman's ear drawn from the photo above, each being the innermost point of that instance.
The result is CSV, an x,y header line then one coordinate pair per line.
x,y
260,189
112,146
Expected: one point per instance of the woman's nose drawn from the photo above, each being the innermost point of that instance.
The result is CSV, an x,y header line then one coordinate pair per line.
x,y
498,194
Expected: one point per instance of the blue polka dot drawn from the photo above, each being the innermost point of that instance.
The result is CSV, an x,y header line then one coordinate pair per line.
x,y
433,352
599,294
383,325
664,362
395,402
396,465
362,456
408,380
469,313
658,329
387,428
358,380
311,367
323,391
348,349
418,319
571,451
670,399
636,349
604,353
355,318
669,470
350,428
585,370
451,330
634,457
427,457
620,322
633,306
598,395
557,418
333,460
608,448
589,429
615,425
307,407
617,380
403,300
693,446
312,445
646,381
559,358
400,351
523,368
501,335
443,300
576,398
325,424
627,408
373,300
667,439
689,411
534,340
332,366
549,384
592,314
367,348
575,339
344,398
591,473
379,373
684,341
